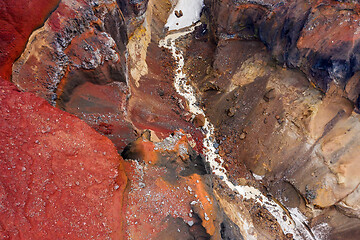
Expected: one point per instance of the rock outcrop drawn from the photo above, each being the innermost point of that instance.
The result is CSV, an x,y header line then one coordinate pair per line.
x,y
164,174
320,38
75,45
77,61
18,20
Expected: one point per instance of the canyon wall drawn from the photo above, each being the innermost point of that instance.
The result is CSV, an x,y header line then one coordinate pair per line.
x,y
283,77
318,37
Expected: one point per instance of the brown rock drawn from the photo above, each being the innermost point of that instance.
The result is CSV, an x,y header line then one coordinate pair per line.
x,y
231,111
199,120
208,86
221,153
242,136
179,13
269,95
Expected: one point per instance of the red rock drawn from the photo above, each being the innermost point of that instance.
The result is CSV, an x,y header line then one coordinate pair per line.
x,y
18,18
103,108
159,190
59,179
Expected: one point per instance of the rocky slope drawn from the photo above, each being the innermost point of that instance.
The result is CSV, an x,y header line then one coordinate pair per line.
x,y
243,126
59,178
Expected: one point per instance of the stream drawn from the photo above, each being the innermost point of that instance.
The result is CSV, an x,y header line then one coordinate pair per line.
x,y
177,28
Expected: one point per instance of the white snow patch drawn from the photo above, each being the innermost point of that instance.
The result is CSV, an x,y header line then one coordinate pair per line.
x,y
257,177
300,221
191,10
321,231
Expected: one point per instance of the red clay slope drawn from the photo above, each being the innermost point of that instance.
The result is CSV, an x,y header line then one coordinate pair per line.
x,y
59,178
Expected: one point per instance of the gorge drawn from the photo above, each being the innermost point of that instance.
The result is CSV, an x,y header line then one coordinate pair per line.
x,y
179,119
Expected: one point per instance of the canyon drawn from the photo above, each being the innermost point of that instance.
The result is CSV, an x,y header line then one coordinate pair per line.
x,y
179,119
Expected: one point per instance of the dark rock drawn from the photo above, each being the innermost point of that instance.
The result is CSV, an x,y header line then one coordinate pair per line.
x,y
161,92
269,95
179,13
207,86
231,111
